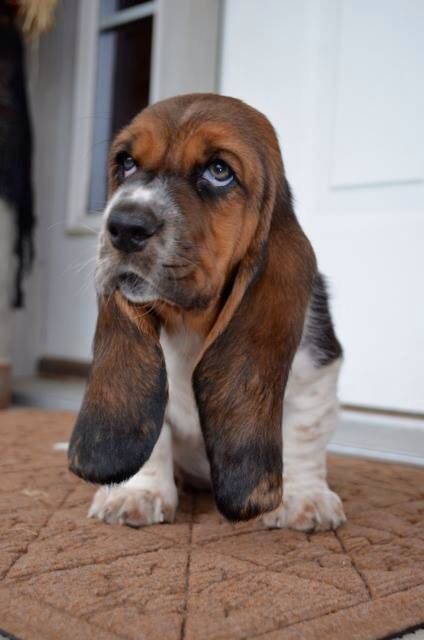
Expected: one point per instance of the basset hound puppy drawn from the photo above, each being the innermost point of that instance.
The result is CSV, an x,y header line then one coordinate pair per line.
x,y
215,356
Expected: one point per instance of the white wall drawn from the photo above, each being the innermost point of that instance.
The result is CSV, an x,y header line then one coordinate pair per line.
x,y
60,311
341,80
68,292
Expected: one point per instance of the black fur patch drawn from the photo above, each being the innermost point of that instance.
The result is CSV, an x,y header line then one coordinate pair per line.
x,y
16,144
111,446
319,336
236,475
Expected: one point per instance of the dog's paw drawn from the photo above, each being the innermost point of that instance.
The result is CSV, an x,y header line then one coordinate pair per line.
x,y
320,510
133,507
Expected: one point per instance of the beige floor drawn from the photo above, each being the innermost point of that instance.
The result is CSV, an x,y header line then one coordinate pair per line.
x,y
418,635
200,578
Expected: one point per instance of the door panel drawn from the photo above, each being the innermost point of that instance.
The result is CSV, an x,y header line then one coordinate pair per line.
x,y
378,124
341,80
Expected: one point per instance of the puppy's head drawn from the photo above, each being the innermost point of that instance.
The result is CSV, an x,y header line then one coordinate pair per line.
x,y
199,222
188,181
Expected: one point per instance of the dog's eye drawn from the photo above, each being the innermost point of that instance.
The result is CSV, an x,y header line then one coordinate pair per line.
x,y
218,173
129,166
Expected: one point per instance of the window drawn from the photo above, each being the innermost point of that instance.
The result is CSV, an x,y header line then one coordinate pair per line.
x,y
175,46
122,83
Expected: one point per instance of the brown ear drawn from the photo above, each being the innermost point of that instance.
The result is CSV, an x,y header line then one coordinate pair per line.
x,y
123,408
240,380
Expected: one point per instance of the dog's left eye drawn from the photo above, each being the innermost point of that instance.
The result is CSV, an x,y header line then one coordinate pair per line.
x,y
129,166
218,173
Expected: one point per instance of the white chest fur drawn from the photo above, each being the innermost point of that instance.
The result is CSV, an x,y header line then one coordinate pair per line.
x,y
181,349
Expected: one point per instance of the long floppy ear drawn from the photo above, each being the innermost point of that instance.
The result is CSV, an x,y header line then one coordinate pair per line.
x,y
240,380
123,408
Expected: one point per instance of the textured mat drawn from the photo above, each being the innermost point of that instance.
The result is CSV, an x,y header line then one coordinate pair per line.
x,y
66,577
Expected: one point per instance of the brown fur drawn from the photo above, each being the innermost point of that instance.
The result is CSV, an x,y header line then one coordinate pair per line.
x,y
240,380
123,408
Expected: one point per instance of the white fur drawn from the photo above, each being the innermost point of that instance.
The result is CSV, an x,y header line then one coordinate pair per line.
x,y
149,497
181,351
309,420
140,194
310,412
156,191
143,194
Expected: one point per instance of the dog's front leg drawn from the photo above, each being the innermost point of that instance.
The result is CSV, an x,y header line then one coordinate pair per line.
x,y
310,420
148,497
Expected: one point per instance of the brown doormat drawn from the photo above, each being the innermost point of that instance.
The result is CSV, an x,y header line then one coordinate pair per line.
x,y
66,577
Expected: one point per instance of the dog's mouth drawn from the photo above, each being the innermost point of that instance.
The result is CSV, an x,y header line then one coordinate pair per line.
x,y
172,290
128,280
131,285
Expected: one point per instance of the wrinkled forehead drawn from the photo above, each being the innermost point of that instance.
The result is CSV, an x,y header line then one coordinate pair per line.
x,y
178,134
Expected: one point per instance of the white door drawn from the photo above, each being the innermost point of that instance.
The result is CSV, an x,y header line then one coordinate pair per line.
x,y
343,83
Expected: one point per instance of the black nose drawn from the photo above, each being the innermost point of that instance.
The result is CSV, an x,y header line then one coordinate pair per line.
x,y
129,231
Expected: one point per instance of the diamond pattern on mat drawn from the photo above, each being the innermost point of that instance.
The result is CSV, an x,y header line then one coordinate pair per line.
x,y
202,577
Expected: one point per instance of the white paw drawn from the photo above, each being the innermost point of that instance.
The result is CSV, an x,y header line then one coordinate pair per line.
x,y
133,507
318,510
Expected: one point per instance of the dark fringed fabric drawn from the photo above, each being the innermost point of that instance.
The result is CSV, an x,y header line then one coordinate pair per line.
x,y
16,144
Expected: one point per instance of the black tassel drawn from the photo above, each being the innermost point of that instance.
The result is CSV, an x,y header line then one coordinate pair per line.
x,y
16,145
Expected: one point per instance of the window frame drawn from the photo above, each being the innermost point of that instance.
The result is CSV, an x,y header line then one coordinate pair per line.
x,y
79,219
191,29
